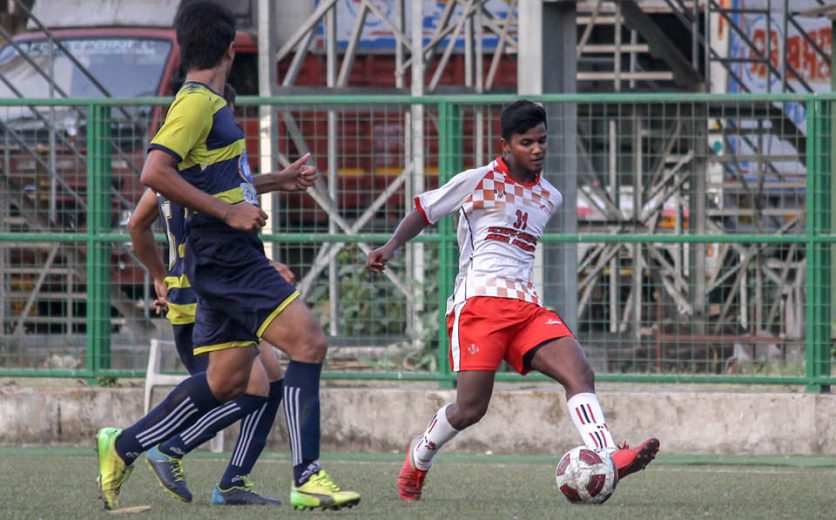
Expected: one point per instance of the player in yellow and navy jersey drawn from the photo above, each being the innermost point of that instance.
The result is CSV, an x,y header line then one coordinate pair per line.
x,y
176,297
198,160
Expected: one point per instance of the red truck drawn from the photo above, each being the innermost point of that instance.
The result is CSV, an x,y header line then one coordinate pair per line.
x,y
43,166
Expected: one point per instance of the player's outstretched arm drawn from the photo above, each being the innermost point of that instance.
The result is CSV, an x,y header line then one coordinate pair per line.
x,y
142,237
298,176
160,174
409,227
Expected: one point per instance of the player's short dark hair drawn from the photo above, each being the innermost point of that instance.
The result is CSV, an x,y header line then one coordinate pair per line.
x,y
204,31
520,117
230,94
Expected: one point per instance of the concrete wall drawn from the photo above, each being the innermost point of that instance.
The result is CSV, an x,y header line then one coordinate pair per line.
x,y
519,420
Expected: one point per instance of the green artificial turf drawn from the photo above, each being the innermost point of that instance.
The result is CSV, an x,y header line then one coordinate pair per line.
x,y
60,483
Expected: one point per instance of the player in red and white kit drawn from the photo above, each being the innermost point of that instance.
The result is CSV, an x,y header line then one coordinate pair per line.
x,y
494,312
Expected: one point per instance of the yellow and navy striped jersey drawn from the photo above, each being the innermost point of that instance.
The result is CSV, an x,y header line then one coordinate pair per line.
x,y
201,133
182,300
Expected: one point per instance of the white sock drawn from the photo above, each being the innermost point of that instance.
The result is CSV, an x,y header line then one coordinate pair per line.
x,y
589,419
437,434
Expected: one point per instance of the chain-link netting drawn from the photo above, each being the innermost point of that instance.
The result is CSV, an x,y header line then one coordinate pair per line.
x,y
695,236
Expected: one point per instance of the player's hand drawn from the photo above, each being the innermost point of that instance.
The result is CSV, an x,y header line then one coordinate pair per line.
x,y
245,217
161,301
376,262
285,271
298,176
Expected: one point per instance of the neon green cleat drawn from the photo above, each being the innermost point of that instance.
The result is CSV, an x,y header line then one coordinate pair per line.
x,y
320,492
113,472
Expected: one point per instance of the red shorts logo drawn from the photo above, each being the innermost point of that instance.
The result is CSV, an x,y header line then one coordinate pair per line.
x,y
503,329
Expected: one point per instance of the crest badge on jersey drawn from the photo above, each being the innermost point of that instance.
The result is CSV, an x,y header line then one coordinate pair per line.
x,y
250,195
247,188
244,167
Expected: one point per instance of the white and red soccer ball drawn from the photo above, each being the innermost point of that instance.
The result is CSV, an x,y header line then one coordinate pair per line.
x,y
585,476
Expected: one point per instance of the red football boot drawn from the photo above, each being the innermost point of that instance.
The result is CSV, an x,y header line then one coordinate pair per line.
x,y
629,461
411,479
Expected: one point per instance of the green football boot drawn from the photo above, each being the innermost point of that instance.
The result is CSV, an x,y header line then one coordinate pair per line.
x,y
113,472
320,492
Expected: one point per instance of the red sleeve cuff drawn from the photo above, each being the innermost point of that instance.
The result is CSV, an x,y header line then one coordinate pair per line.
x,y
421,211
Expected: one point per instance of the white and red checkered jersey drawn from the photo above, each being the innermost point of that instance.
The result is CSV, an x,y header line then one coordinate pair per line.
x,y
500,222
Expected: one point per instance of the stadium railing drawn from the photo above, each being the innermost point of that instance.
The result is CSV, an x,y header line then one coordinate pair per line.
x,y
695,243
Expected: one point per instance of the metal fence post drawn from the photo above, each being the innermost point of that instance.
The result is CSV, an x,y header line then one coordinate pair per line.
x,y
818,252
98,223
762,220
449,163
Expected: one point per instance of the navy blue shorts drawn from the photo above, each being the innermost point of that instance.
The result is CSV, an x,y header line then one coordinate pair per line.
x,y
239,292
183,342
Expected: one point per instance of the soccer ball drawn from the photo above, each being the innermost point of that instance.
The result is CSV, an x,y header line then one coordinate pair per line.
x,y
585,476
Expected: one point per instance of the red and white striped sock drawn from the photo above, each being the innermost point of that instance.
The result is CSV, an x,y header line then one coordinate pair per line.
x,y
437,434
589,419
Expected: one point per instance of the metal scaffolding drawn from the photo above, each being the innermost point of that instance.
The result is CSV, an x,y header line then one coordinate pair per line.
x,y
519,33
467,19
62,262
714,169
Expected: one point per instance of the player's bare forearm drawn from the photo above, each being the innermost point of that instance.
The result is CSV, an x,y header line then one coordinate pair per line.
x,y
266,182
270,182
409,227
142,235
298,176
160,174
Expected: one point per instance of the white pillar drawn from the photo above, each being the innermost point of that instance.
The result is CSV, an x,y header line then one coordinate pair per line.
x,y
530,47
268,149
415,254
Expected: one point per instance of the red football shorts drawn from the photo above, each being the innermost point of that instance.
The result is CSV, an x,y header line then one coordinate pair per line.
x,y
485,330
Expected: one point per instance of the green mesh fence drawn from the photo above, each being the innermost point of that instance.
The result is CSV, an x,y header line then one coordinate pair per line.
x,y
695,242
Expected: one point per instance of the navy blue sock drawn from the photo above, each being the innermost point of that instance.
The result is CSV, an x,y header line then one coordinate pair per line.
x,y
210,424
253,437
301,408
189,400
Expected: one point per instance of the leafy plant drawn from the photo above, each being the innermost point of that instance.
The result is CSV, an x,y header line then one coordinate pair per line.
x,y
107,382
371,306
